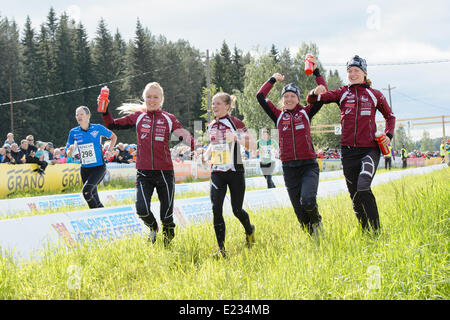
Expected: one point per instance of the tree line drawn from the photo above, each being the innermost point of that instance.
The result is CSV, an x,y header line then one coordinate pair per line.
x,y
58,57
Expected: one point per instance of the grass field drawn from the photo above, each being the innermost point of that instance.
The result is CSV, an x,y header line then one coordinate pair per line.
x,y
408,260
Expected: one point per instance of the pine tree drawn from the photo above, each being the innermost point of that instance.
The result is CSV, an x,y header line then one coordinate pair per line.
x,y
11,80
52,25
170,77
107,68
120,51
274,54
62,115
221,69
84,66
237,70
141,60
46,57
286,66
34,81
104,61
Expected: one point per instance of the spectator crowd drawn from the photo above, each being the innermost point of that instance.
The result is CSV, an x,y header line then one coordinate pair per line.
x,y
44,153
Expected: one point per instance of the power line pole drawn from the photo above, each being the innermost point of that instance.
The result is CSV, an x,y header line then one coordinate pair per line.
x,y
443,129
389,88
208,85
11,110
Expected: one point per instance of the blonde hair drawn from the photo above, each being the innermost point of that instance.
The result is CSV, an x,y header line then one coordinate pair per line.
x,y
128,108
369,82
227,99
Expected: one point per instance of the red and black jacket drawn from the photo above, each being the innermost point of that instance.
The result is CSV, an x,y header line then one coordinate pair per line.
x,y
153,129
294,126
217,130
358,104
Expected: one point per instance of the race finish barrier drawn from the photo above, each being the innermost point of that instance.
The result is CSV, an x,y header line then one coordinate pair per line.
x,y
24,238
22,177
58,177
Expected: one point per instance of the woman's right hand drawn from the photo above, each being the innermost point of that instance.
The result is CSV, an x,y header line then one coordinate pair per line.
x,y
279,77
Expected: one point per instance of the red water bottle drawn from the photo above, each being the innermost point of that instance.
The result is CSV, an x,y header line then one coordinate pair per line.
x,y
382,142
309,66
103,100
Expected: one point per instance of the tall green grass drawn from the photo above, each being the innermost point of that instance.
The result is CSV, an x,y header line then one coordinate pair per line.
x,y
407,260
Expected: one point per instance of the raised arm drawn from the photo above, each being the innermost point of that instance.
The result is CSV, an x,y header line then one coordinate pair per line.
x,y
314,107
317,94
272,111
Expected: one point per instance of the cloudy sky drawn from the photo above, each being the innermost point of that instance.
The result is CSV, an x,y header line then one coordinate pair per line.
x,y
395,37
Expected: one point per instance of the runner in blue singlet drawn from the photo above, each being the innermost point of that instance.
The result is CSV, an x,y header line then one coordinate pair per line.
x,y
86,140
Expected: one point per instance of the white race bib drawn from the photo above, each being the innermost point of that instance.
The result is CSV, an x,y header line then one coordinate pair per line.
x,y
87,153
220,154
266,152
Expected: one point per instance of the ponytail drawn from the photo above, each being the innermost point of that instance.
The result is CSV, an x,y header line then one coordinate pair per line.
x,y
128,108
368,81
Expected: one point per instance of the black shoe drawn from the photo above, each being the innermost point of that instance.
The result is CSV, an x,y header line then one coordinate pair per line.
x,y
250,238
168,235
152,236
221,253
317,231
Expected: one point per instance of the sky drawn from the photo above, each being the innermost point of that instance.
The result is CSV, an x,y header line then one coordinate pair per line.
x,y
395,37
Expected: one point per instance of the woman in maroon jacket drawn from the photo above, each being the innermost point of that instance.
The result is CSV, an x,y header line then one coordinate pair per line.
x,y
153,159
227,134
358,103
300,167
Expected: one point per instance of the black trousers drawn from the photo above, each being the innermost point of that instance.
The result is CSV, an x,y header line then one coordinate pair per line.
x,y
164,182
387,163
267,170
359,166
302,183
42,164
91,177
235,181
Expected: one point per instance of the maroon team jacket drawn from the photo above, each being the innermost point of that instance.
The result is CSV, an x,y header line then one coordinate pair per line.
x,y
293,125
358,104
153,129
